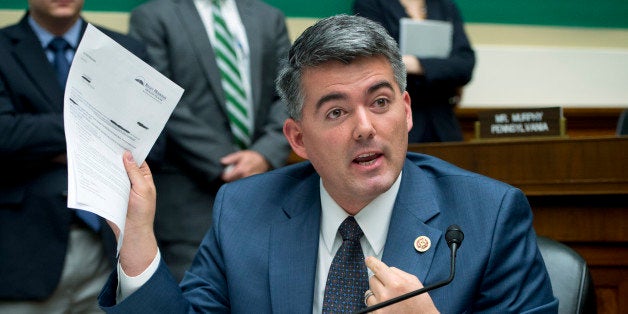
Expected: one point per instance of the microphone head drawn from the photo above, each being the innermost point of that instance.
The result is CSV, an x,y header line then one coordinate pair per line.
x,y
454,235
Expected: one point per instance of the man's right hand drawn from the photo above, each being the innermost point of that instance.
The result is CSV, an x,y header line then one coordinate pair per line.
x,y
139,246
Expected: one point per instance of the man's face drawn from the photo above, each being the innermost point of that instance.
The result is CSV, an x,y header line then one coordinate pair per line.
x,y
354,128
49,10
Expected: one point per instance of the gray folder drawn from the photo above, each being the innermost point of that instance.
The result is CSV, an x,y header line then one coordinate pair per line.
x,y
425,38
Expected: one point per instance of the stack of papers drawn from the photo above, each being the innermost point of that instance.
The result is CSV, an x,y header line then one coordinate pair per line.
x,y
113,102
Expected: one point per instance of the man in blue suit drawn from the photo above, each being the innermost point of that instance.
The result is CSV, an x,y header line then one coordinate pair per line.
x,y
274,240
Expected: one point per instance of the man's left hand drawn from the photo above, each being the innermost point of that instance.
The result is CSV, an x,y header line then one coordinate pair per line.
x,y
242,164
389,282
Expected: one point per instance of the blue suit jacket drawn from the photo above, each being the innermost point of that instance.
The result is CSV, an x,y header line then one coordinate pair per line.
x,y
260,255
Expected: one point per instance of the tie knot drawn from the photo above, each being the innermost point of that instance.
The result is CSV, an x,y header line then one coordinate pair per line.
x,y
350,230
58,44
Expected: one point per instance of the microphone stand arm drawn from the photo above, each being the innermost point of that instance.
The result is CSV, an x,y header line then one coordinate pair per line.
x,y
452,270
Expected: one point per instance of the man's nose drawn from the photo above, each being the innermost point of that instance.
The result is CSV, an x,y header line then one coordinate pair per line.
x,y
364,128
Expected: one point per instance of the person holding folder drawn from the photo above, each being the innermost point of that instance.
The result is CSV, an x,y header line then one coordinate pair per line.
x,y
434,84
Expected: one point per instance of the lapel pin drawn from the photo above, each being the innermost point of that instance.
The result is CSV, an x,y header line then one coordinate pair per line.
x,y
422,243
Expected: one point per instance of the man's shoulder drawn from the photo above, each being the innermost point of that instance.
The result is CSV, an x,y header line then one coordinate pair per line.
x,y
18,29
293,186
6,35
282,181
10,29
434,164
440,169
293,173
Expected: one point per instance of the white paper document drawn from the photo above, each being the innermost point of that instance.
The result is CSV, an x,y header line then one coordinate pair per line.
x,y
113,102
426,38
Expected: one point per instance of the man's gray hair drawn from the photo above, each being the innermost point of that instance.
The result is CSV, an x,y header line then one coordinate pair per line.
x,y
338,38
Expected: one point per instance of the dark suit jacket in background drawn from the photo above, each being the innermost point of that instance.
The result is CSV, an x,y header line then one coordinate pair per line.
x,y
198,132
261,254
433,93
34,218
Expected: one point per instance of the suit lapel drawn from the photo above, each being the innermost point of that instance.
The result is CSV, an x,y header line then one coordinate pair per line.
x,y
31,57
294,251
414,207
193,25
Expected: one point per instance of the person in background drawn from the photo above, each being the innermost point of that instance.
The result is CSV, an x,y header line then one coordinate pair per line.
x,y
294,240
225,54
53,259
434,84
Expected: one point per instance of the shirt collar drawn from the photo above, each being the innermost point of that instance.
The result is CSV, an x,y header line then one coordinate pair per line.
x,y
373,219
72,36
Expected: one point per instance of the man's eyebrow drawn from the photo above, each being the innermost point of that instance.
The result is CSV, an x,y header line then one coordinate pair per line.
x,y
380,85
329,97
339,96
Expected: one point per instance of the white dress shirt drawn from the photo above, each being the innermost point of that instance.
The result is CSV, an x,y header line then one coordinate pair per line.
x,y
373,220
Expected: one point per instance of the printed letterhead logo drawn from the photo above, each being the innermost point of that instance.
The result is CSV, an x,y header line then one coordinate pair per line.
x,y
150,90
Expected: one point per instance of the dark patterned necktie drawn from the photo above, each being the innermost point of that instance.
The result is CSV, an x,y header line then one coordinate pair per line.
x,y
60,63
347,279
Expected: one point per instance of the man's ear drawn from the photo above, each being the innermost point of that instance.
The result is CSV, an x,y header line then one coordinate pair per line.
x,y
408,108
292,131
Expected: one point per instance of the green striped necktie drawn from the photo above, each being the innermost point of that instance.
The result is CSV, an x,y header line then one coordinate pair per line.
x,y
227,59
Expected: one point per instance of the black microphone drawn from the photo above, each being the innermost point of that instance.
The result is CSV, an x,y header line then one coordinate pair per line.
x,y
454,237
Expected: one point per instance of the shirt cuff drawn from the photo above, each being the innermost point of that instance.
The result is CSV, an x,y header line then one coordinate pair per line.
x,y
127,285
